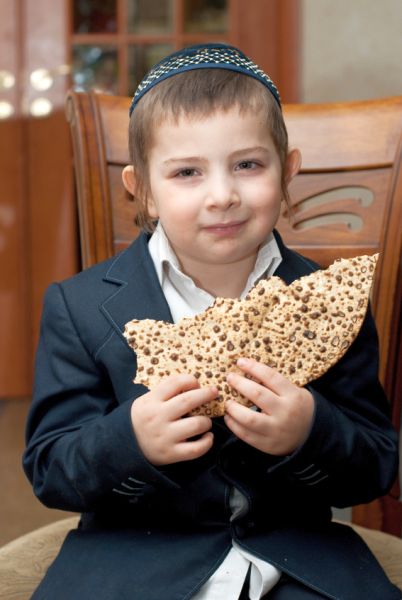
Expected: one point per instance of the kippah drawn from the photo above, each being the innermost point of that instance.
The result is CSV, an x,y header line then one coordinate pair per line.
x,y
203,56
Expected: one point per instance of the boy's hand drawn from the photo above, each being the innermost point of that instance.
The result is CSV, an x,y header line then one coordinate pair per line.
x,y
286,409
163,435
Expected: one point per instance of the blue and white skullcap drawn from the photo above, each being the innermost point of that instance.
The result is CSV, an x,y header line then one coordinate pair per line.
x,y
203,56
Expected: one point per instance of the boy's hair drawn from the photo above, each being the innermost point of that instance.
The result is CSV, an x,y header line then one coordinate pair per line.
x,y
194,94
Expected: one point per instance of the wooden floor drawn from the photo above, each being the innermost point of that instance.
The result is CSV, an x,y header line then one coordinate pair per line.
x,y
20,510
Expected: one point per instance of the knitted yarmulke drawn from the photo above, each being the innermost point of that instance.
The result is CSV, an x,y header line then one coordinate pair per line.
x,y
203,56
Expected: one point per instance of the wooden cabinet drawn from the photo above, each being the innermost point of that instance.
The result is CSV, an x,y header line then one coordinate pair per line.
x,y
45,47
37,212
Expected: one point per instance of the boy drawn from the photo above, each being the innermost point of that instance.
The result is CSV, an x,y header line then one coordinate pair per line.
x,y
178,506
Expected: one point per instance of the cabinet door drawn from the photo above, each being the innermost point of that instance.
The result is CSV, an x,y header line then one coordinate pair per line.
x,y
37,212
14,338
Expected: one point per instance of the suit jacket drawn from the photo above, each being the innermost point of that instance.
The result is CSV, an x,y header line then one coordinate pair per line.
x,y
151,533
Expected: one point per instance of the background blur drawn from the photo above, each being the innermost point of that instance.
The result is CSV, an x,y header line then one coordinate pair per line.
x,y
315,50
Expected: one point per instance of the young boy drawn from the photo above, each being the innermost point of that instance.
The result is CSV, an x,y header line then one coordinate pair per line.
x,y
176,506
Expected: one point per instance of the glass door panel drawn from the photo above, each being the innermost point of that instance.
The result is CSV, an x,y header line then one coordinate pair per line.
x,y
115,42
96,67
206,16
93,16
150,17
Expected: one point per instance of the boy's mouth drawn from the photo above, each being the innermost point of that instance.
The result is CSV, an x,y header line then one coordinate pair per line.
x,y
229,228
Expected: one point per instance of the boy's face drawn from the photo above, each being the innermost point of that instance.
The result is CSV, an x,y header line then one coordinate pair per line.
x,y
215,185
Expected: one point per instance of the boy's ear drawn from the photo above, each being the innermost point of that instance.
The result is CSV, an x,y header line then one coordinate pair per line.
x,y
293,164
128,177
129,181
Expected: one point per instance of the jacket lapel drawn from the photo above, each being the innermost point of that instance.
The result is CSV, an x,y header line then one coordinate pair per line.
x,y
293,265
137,293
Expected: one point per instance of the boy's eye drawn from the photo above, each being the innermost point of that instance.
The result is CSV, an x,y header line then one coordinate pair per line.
x,y
186,173
246,164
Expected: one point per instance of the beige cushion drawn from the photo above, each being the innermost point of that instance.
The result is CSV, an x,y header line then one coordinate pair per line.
x,y
387,549
23,562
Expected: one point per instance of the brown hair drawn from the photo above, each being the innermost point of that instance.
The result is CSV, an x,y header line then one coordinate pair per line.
x,y
193,94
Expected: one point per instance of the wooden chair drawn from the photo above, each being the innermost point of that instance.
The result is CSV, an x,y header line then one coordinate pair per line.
x,y
347,200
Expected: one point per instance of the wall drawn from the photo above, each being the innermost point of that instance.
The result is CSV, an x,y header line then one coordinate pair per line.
x,y
351,49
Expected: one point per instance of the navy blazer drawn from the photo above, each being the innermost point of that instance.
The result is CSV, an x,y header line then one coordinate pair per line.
x,y
149,533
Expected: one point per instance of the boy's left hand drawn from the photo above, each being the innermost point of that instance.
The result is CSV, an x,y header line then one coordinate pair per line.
x,y
286,409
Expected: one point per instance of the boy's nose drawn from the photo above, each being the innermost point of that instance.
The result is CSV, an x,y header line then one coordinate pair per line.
x,y
222,193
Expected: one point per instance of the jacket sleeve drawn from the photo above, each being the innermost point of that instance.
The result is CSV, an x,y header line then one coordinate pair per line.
x,y
351,453
81,449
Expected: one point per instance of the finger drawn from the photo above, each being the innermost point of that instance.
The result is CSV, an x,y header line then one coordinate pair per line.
x,y
246,418
269,377
194,449
234,426
183,429
175,384
258,394
250,428
185,402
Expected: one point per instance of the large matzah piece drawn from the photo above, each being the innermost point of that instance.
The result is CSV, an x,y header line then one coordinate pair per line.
x,y
301,329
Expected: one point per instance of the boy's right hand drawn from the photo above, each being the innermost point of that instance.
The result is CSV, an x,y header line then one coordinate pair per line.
x,y
160,424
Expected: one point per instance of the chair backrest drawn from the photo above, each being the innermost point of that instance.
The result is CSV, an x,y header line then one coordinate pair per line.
x,y
346,201
99,131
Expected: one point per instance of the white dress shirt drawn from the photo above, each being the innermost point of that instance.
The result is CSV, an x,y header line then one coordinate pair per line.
x,y
185,299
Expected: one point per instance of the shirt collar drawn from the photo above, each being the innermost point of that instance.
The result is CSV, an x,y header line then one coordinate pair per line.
x,y
167,264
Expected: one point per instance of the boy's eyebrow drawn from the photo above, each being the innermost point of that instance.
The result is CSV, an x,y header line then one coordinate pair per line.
x,y
250,150
180,159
